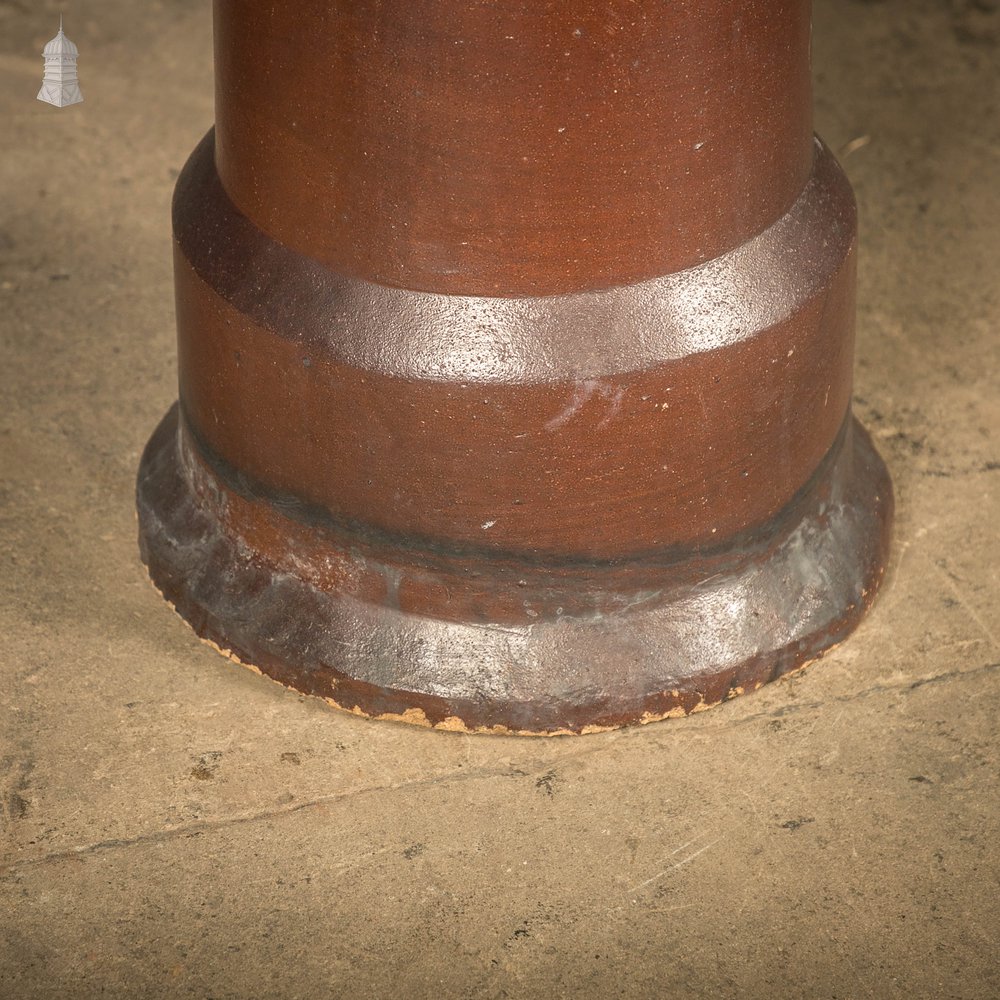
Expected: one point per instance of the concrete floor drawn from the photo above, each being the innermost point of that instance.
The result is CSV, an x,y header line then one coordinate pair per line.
x,y
174,826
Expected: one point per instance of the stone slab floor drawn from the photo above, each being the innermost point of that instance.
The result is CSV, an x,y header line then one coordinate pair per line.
x,y
173,826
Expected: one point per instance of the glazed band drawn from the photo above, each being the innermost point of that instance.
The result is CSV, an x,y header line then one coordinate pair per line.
x,y
721,387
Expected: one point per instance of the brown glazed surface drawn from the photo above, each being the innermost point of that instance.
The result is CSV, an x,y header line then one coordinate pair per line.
x,y
515,347
516,148
676,411
677,634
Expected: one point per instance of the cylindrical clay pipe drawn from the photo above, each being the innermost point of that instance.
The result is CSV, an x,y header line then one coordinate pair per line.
x,y
515,348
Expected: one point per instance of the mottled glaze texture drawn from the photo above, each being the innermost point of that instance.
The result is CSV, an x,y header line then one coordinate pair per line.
x,y
473,641
490,423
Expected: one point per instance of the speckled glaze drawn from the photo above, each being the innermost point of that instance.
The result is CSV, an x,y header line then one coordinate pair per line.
x,y
495,423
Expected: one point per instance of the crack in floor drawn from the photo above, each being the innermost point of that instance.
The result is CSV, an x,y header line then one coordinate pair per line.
x,y
209,826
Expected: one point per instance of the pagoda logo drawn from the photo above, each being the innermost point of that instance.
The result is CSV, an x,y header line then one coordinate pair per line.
x,y
60,85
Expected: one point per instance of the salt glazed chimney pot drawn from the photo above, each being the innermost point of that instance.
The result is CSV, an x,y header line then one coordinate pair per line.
x,y
515,350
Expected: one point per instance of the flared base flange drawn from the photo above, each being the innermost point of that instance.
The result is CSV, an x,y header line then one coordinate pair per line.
x,y
391,629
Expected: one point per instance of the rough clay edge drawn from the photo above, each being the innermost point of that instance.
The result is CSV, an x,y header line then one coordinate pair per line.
x,y
453,724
